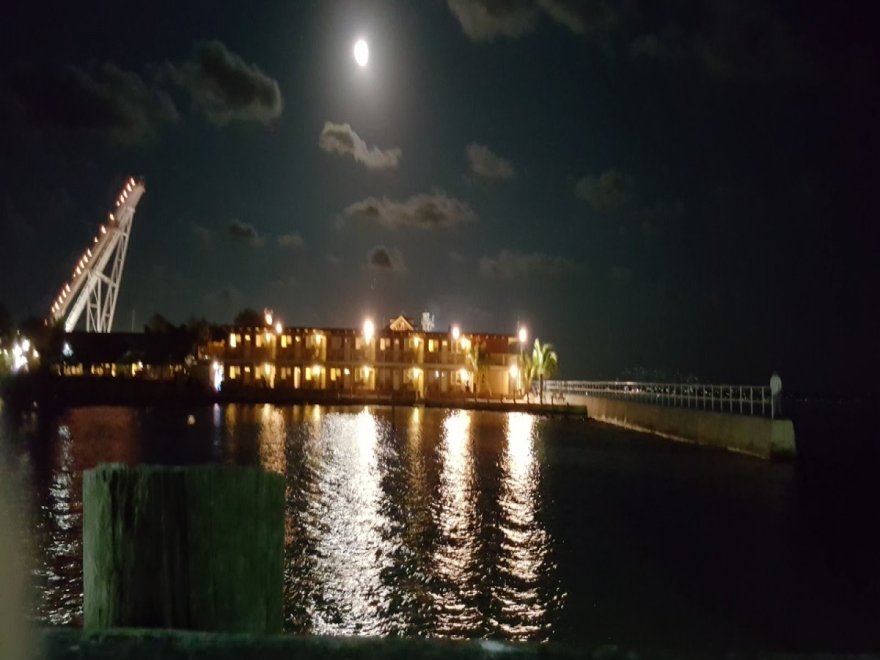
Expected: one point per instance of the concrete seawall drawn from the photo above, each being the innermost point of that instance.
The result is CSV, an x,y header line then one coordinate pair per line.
x,y
757,436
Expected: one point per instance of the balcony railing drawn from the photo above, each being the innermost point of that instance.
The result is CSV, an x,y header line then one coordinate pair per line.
x,y
736,399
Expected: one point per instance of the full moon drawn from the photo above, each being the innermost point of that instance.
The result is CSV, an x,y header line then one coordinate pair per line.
x,y
361,52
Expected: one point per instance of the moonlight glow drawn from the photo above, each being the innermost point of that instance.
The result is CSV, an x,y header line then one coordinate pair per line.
x,y
361,53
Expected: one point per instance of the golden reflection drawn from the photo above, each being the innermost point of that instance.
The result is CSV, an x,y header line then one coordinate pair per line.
x,y
455,555
353,551
525,543
271,440
414,428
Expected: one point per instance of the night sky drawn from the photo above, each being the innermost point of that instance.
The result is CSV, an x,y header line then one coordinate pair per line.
x,y
678,191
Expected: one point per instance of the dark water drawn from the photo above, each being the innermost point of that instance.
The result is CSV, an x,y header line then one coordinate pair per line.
x,y
454,523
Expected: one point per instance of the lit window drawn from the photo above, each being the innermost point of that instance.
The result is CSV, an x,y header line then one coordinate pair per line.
x,y
308,373
247,370
432,345
232,342
247,338
283,341
259,339
382,344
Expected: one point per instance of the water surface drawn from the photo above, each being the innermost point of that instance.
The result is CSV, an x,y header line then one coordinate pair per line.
x,y
505,525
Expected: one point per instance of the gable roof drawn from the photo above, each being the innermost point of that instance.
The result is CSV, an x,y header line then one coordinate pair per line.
x,y
400,324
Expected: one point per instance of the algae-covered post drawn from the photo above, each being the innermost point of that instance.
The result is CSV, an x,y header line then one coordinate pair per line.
x,y
196,548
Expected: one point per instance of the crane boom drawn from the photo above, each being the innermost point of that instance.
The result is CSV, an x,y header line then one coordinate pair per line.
x,y
92,288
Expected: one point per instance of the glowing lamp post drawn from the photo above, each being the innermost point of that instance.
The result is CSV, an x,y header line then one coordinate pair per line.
x,y
369,334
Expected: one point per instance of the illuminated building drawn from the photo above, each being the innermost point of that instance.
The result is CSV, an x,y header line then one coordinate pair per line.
x,y
396,359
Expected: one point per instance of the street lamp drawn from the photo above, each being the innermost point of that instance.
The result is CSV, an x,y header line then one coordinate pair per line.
x,y
369,330
456,332
523,335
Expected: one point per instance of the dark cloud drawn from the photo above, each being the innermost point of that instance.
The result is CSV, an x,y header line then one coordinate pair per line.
x,y
485,20
426,211
509,264
202,234
730,39
583,16
244,232
341,139
667,45
663,218
101,100
225,88
292,240
226,297
285,283
606,192
484,163
386,259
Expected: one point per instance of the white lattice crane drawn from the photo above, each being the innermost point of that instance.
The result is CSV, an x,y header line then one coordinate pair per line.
x,y
94,285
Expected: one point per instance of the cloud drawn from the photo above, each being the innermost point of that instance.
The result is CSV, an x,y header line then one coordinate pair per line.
x,y
102,100
425,211
582,16
292,240
484,20
606,192
509,264
484,163
731,40
385,259
228,296
661,218
285,283
341,139
202,234
225,88
667,45
244,232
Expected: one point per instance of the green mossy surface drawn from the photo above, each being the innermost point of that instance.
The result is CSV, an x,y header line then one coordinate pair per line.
x,y
196,548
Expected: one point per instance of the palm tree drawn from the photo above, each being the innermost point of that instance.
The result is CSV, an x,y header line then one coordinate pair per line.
x,y
544,363
526,373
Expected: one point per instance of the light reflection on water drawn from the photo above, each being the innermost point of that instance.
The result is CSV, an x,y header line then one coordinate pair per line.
x,y
408,521
477,524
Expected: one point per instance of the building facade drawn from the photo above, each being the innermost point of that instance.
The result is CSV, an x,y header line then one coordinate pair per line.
x,y
397,359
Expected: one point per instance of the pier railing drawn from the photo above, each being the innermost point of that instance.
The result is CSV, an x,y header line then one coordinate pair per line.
x,y
736,399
